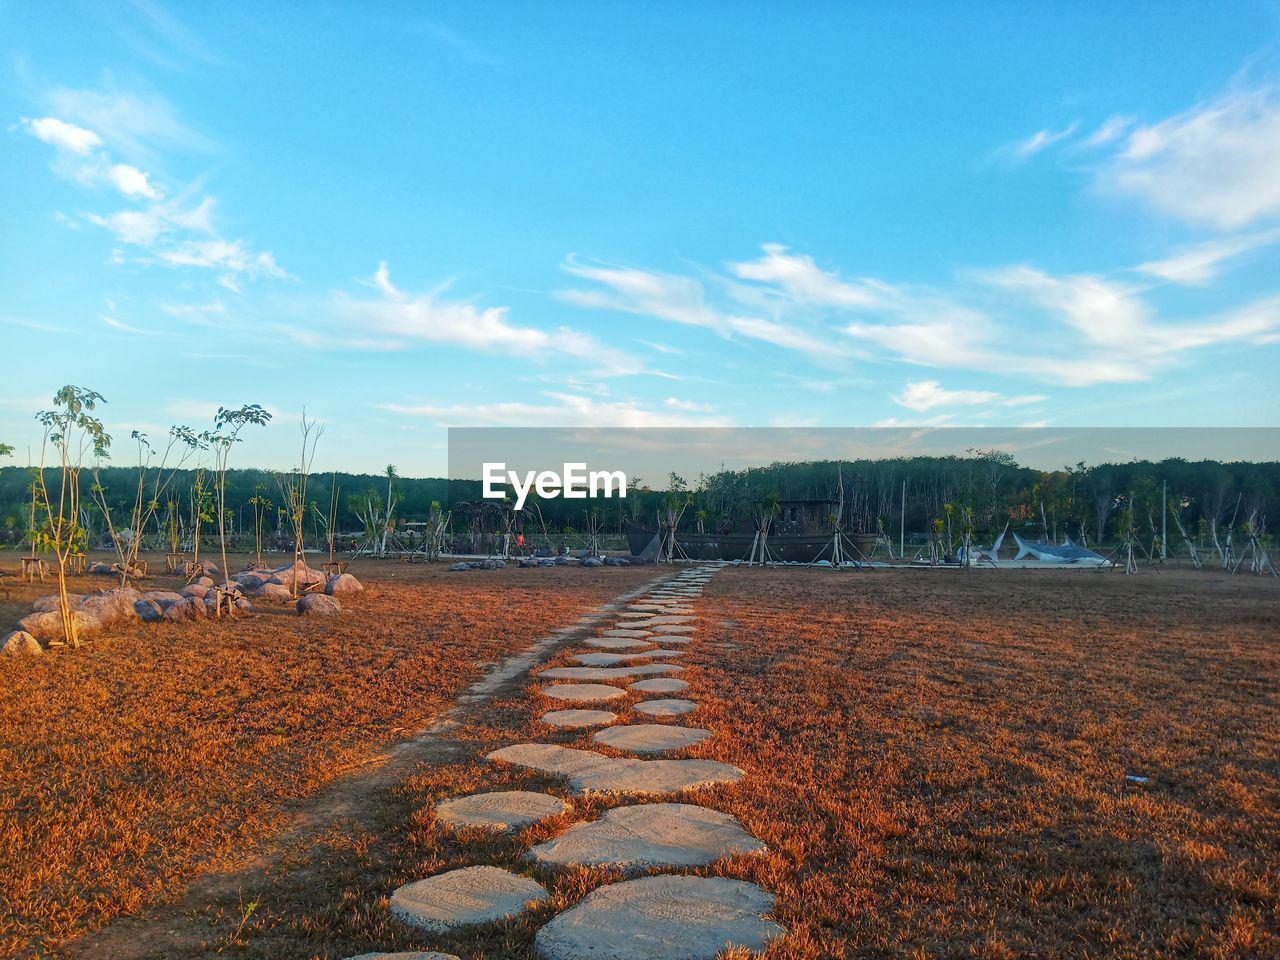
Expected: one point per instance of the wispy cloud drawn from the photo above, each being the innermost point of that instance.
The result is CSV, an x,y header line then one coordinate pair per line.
x,y
177,232
564,410
1199,264
1214,164
402,318
1038,141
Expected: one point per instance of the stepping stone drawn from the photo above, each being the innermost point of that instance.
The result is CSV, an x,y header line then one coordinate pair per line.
x,y
617,643
655,621
407,955
668,628
661,918
575,719
614,659
650,737
649,835
627,634
609,673
589,771
671,638
502,810
464,897
582,692
665,708
660,685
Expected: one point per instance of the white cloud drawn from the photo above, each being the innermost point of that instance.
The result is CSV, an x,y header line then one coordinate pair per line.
x,y
1105,313
800,277
134,124
1201,263
567,410
431,318
132,182
689,406
1214,164
926,394
682,300
1111,130
64,136
1040,140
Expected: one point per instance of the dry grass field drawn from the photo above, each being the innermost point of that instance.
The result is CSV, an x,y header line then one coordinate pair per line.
x,y
160,751
936,760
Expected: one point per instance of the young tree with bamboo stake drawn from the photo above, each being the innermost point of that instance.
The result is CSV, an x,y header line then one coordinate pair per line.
x,y
225,434
145,503
261,508
73,431
293,487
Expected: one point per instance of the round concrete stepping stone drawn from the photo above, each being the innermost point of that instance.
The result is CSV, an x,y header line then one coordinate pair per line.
x,y
501,810
610,673
407,955
665,708
589,771
672,628
464,897
671,638
613,659
660,685
650,835
617,643
661,918
650,737
626,634
582,692
575,719
682,618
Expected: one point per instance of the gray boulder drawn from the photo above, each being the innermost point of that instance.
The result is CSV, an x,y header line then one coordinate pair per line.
x,y
148,610
343,585
20,644
318,604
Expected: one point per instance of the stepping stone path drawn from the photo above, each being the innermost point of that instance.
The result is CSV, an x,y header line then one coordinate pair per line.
x,y
665,708
659,918
465,897
503,810
583,692
610,673
610,659
650,737
660,685
573,719
617,643
650,835
654,918
589,771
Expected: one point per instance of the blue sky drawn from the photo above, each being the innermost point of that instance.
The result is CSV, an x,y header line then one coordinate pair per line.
x,y
410,216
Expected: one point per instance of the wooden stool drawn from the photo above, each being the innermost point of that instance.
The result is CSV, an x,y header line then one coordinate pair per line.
x,y
76,562
335,568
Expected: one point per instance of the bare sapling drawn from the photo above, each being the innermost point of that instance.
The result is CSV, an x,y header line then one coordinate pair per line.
x,y
227,425
73,432
293,488
262,507
182,444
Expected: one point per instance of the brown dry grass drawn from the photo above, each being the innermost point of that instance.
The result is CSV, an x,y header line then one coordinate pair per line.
x,y
159,751
936,760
